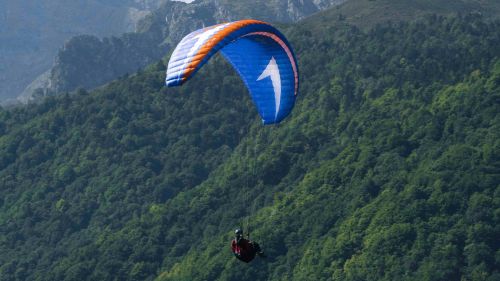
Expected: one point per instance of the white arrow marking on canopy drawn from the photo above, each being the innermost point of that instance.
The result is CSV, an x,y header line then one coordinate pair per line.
x,y
272,70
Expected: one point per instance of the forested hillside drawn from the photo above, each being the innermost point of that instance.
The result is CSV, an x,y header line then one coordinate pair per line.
x,y
367,13
387,169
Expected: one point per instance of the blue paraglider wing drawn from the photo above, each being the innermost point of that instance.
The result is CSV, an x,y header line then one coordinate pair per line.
x,y
259,53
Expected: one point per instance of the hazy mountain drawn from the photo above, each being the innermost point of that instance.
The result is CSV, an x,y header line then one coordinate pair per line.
x,y
32,31
89,62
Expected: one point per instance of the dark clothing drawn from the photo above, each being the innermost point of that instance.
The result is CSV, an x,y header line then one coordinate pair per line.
x,y
244,249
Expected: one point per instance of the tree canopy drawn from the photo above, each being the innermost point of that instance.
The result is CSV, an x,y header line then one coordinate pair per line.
x,y
387,169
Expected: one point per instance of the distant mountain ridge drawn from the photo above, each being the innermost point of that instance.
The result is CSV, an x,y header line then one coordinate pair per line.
x,y
89,62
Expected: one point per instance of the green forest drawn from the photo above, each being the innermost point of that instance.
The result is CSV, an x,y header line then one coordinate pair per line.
x,y
387,169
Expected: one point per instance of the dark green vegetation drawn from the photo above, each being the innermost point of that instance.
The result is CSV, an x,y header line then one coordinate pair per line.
x,y
388,168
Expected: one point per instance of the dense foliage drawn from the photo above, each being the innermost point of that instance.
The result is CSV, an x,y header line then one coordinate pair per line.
x,y
388,168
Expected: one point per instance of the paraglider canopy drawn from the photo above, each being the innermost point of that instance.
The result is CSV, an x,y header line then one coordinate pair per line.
x,y
260,54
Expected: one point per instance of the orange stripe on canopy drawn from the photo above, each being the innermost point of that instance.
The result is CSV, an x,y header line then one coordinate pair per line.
x,y
214,40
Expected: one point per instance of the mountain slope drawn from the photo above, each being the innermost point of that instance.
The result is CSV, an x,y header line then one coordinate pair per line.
x,y
375,182
387,168
367,13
